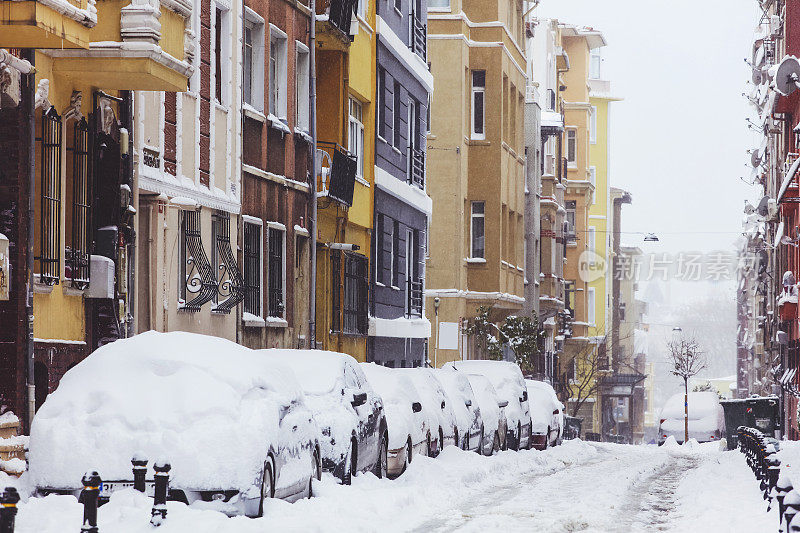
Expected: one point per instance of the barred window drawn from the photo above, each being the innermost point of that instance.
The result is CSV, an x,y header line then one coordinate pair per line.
x,y
354,312
230,283
277,272
79,199
197,282
50,207
252,267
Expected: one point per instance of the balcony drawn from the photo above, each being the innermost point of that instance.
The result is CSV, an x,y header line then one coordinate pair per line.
x,y
414,297
338,16
419,38
47,23
416,163
336,177
128,45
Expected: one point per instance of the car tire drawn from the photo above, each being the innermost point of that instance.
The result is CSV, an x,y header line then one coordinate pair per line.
x,y
316,472
496,446
409,456
428,446
518,438
480,442
440,445
350,465
267,485
382,467
530,436
455,439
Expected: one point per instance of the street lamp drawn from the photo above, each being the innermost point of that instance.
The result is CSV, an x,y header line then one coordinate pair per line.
x,y
436,302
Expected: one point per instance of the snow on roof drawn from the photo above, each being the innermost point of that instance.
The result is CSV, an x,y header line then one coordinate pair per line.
x,y
542,401
398,393
701,405
316,370
552,119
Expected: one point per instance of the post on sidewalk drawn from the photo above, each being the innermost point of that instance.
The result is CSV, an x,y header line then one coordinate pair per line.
x,y
91,491
139,463
159,512
8,511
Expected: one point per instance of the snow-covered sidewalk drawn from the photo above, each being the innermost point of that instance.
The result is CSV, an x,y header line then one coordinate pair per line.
x,y
575,487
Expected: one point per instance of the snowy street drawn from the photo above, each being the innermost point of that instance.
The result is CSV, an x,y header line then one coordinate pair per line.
x,y
578,486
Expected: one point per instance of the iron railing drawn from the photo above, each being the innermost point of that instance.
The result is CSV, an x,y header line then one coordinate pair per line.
x,y
340,13
252,269
197,276
414,296
50,207
337,173
78,256
230,284
275,296
416,175
419,37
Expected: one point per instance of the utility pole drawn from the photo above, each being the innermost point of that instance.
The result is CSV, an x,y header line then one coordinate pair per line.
x,y
312,113
30,110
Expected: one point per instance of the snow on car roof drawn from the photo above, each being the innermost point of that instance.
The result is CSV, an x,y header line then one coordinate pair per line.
x,y
542,401
316,370
209,405
398,393
504,376
701,405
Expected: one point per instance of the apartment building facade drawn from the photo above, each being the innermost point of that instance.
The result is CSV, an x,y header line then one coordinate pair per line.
x,y
476,168
398,327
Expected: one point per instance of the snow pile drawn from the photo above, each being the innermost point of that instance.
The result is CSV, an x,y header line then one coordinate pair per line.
x,y
706,418
398,393
212,407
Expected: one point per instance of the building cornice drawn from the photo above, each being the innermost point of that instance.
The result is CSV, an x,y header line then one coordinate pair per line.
x,y
415,64
464,18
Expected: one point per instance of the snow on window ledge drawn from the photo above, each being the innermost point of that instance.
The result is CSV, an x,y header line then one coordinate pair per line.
x,y
278,124
252,321
475,260
276,322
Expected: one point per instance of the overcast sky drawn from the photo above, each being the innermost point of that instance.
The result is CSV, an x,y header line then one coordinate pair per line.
x,y
679,137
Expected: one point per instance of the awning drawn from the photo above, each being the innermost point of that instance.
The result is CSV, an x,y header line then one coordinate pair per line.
x,y
788,179
552,123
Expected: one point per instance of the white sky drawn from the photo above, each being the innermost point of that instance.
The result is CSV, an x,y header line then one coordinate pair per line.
x,y
679,137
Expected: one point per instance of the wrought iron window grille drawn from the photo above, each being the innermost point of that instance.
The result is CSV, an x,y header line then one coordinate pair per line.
x,y
196,272
50,207
78,254
252,269
230,286
276,273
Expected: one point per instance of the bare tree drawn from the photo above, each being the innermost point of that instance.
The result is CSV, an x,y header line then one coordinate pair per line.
x,y
687,361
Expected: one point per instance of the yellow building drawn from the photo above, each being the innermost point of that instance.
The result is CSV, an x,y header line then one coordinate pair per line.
x,y
345,133
583,354
87,56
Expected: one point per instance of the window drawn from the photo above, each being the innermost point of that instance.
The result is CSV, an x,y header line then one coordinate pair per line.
x,y
276,270
428,110
382,103
590,302
439,4
590,236
50,208
362,8
549,157
356,138
621,311
253,266
593,180
398,4
595,61
222,55
478,231
79,193
277,72
570,222
356,284
253,60
593,125
572,147
478,95
218,55
398,103
380,240
301,89
396,254
197,282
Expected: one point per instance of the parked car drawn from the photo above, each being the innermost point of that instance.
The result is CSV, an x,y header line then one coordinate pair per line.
x,y
465,408
233,424
437,410
493,417
409,433
547,414
349,413
706,418
507,380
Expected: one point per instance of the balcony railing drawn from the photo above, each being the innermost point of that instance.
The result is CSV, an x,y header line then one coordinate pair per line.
x,y
337,173
416,175
419,38
551,100
340,13
414,297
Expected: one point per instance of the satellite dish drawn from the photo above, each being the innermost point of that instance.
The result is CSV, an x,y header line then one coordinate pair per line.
x,y
763,206
788,75
758,77
748,208
755,158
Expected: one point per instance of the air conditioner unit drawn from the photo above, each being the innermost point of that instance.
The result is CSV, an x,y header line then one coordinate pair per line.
x,y
5,268
772,209
101,284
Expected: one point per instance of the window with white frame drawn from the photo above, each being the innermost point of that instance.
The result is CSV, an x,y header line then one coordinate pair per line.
x,y
356,138
277,72
593,125
572,147
301,89
362,8
438,4
478,230
595,61
478,104
593,181
395,254
549,157
222,54
253,266
590,303
276,270
253,60
571,207
590,236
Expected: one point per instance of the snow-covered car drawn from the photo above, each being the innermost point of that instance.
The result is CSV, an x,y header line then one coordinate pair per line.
x,y
507,380
465,407
349,413
232,423
435,407
409,433
493,417
547,414
706,418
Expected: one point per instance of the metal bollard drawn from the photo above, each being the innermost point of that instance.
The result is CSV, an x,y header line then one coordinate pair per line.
x,y
8,511
794,526
791,505
159,513
782,488
91,490
139,463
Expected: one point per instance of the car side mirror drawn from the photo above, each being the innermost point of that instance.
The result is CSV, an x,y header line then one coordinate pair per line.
x,y
524,397
442,404
416,407
359,399
468,403
504,403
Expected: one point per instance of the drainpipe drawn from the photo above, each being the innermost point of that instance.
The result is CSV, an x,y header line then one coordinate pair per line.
x,y
30,55
312,114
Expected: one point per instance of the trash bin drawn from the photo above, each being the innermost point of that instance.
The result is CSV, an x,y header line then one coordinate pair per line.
x,y
572,427
758,412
